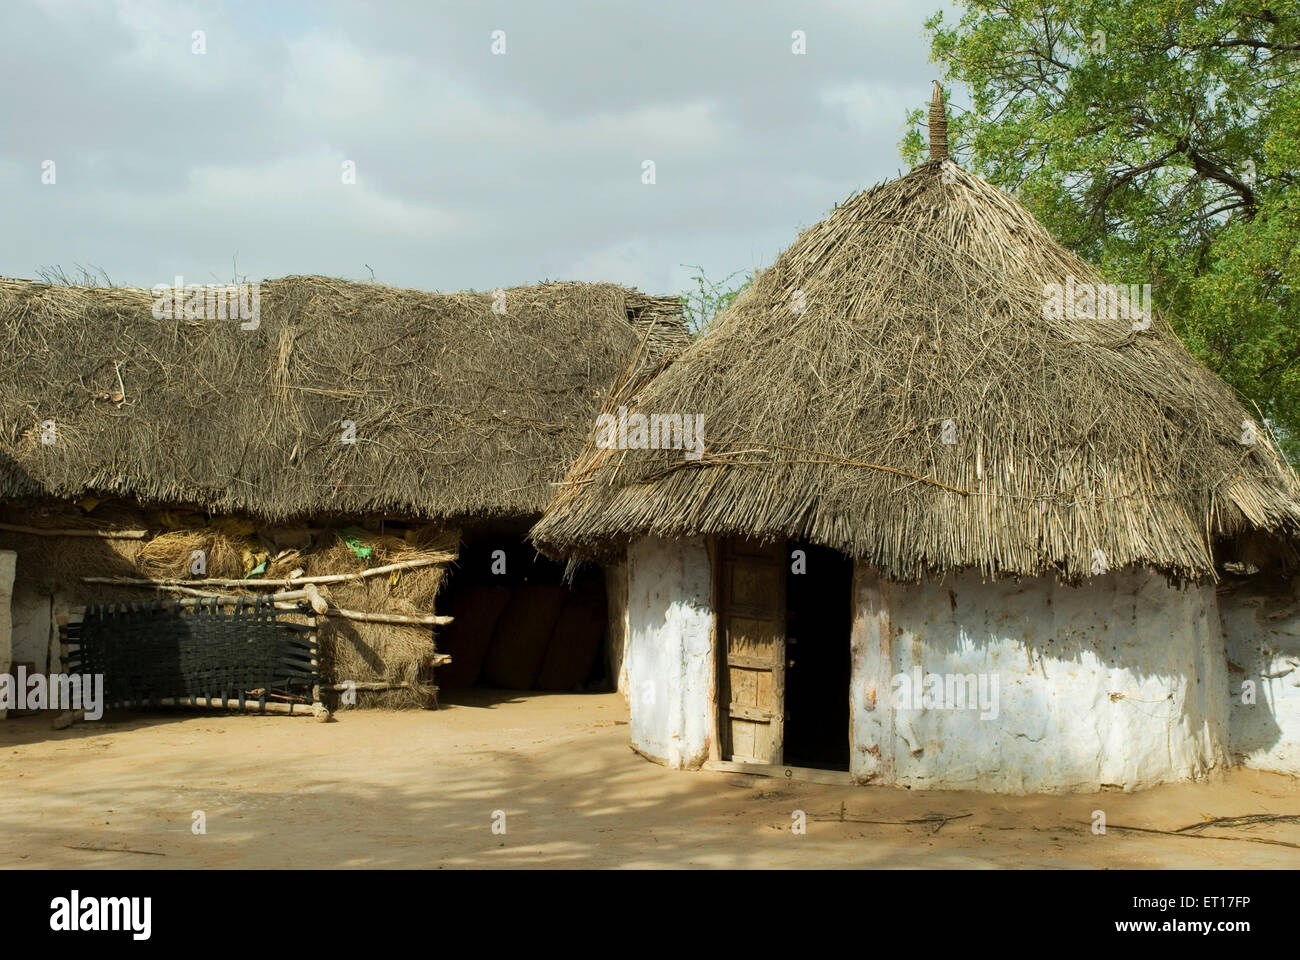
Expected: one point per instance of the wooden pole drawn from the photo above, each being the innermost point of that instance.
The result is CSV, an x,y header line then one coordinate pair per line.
x,y
428,620
304,710
56,532
297,582
285,601
938,125
279,598
318,603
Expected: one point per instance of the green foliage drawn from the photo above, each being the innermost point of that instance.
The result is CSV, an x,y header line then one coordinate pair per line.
x,y
709,298
1160,139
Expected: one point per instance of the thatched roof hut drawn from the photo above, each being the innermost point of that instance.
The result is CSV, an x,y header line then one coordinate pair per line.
x,y
914,315
938,452
221,441
457,409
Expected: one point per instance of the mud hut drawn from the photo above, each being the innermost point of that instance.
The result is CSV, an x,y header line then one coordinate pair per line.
x,y
176,445
943,530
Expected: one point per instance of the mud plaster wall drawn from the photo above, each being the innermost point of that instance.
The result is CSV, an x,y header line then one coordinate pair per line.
x,y
1120,681
669,656
1261,625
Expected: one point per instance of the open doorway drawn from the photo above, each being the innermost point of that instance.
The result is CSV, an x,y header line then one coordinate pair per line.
x,y
784,615
818,618
517,624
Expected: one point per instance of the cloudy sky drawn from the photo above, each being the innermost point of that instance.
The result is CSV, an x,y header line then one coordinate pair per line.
x,y
473,169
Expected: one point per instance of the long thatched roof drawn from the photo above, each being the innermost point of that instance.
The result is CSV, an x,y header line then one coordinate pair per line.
x,y
458,409
893,387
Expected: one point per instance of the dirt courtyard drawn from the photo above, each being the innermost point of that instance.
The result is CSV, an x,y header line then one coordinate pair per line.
x,y
421,789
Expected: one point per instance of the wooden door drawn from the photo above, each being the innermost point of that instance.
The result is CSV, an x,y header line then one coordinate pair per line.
x,y
751,632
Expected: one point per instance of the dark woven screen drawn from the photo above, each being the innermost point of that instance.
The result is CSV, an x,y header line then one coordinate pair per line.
x,y
148,651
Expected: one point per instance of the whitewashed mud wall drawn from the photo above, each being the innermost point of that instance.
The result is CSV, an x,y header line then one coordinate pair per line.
x,y
1120,681
669,655
1261,626
30,618
8,564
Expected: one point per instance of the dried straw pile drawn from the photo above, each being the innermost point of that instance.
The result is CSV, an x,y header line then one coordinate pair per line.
x,y
54,566
458,410
1076,440
368,652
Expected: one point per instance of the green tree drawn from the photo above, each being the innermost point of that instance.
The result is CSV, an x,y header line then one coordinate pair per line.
x,y
1160,139
708,298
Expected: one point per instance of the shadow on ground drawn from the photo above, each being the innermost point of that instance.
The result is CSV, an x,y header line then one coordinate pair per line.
x,y
426,789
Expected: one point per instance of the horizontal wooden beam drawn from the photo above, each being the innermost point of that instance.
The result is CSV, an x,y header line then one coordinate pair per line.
x,y
751,663
286,600
80,532
740,711
436,558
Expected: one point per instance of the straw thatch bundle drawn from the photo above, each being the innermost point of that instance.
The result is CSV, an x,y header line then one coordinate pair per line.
x,y
914,315
458,410
369,652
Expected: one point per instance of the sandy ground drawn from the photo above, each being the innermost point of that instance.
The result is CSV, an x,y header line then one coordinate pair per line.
x,y
419,789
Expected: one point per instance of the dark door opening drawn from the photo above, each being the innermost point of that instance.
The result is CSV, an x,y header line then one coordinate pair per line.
x,y
517,624
818,623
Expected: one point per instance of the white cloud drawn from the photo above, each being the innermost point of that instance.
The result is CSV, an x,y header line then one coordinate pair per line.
x,y
472,170
308,190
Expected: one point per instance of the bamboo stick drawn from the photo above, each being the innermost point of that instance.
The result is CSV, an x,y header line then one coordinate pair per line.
x,y
428,620
300,581
285,601
58,532
281,599
215,703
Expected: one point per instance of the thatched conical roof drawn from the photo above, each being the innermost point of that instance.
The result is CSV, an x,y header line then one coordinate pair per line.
x,y
459,410
893,387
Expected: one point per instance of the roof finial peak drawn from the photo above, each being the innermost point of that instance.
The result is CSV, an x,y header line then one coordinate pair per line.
x,y
938,125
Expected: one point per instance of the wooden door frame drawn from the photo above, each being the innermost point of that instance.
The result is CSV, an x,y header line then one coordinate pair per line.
x,y
719,682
